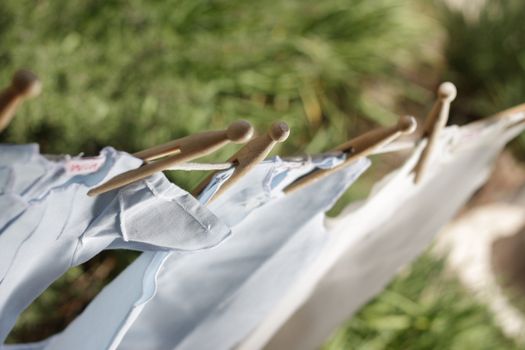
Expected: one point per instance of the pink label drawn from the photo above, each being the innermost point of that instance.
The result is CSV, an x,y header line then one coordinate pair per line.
x,y
84,166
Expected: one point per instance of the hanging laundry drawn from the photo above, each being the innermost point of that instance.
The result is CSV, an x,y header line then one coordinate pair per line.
x,y
245,200
143,271
371,242
258,189
195,289
118,304
61,226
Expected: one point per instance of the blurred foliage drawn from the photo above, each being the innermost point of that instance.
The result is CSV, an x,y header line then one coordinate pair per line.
x,y
136,73
424,308
485,54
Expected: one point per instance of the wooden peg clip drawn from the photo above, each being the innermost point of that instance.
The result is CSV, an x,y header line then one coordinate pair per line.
x,y
434,124
23,85
200,144
248,156
358,147
178,151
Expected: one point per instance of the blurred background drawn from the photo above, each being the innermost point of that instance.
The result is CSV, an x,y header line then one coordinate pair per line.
x,y
135,73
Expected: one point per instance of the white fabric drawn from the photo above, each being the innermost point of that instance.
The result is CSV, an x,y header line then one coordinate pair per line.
x,y
250,193
21,169
118,304
296,229
370,243
60,226
226,292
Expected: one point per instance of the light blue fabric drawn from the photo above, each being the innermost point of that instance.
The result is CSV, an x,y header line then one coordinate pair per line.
x,y
118,304
24,161
261,185
62,227
14,157
264,183
193,289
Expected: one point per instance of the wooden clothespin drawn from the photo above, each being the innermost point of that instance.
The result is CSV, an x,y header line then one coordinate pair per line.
x,y
178,151
434,124
23,85
358,147
248,156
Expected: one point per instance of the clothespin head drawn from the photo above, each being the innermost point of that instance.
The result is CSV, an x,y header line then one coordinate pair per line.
x,y
249,155
447,91
186,149
434,124
239,131
202,143
24,85
359,147
279,131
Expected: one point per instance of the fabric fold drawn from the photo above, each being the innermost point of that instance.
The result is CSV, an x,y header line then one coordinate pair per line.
x,y
62,227
193,288
264,183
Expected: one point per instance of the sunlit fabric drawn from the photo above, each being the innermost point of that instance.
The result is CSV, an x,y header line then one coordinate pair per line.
x,y
21,168
258,188
208,292
61,226
371,242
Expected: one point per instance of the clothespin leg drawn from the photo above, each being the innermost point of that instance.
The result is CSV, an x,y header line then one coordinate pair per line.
x,y
358,147
434,124
190,147
248,156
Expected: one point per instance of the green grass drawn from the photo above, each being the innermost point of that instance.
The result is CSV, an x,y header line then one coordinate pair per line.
x,y
133,74
424,308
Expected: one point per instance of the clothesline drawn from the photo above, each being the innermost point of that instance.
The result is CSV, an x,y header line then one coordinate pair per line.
x,y
395,146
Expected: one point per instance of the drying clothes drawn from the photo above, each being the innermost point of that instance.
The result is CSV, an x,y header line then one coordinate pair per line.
x,y
118,304
112,309
257,188
264,183
370,243
62,227
210,290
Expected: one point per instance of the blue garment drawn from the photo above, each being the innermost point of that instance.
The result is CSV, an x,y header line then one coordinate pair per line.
x,y
62,227
193,289
286,240
118,304
262,185
14,157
